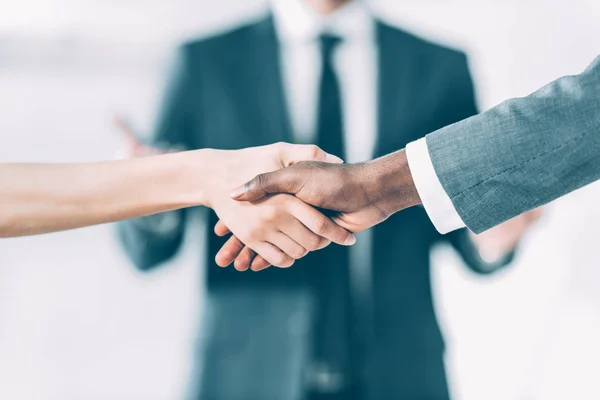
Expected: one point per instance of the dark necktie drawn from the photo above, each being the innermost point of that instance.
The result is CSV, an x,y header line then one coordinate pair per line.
x,y
330,129
331,272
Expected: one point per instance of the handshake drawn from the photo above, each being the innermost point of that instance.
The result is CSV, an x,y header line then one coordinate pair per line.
x,y
306,200
282,201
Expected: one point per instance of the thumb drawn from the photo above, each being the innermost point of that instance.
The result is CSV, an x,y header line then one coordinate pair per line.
x,y
127,131
285,180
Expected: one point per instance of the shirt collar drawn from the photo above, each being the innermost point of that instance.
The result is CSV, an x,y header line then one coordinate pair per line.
x,y
296,22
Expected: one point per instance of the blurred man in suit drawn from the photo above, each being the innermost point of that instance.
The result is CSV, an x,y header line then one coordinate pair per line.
x,y
341,324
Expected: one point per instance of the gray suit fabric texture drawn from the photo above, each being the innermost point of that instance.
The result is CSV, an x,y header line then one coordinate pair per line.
x,y
522,154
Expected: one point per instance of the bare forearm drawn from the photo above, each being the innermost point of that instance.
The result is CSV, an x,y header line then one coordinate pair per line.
x,y
41,198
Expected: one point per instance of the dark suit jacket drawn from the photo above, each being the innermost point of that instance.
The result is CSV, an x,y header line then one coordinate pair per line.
x,y
256,341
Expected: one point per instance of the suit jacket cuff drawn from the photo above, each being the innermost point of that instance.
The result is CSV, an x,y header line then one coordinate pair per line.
x,y
436,201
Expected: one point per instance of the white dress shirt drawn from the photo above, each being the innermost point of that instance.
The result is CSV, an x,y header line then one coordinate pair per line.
x,y
436,201
355,62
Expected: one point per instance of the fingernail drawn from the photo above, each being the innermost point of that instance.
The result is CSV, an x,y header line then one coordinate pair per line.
x,y
330,158
238,191
350,241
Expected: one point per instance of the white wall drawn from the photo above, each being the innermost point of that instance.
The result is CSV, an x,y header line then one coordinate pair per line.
x,y
76,322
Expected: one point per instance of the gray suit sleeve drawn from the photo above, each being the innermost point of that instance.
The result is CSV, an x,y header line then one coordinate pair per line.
x,y
523,153
151,240
460,103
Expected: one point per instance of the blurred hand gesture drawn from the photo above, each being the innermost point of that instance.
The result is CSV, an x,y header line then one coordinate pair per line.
x,y
132,146
497,242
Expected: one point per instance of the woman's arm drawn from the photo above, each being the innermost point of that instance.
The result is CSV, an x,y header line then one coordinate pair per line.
x,y
41,198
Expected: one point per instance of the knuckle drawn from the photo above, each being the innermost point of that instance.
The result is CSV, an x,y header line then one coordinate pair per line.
x,y
270,214
320,225
258,181
314,151
253,232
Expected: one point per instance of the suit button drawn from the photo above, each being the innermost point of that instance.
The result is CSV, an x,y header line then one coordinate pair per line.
x,y
323,378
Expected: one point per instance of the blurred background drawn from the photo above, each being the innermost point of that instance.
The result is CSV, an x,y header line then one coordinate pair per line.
x,y
78,322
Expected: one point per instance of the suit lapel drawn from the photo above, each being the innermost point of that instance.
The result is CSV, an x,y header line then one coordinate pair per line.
x,y
264,64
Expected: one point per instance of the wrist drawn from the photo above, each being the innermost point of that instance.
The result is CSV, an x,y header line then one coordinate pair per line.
x,y
189,177
392,183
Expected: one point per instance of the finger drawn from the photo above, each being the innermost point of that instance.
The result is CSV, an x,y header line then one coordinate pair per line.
x,y
324,244
320,224
288,245
221,229
295,153
228,253
127,131
309,240
232,249
349,226
536,214
244,259
259,263
282,181
135,147
273,255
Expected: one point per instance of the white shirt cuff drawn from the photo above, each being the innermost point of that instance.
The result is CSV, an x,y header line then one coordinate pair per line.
x,y
435,200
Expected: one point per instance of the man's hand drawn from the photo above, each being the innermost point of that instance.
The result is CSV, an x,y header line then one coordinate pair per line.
x,y
497,242
360,195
